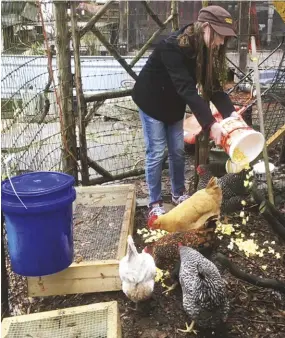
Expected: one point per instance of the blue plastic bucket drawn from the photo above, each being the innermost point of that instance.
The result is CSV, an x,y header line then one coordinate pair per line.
x,y
40,238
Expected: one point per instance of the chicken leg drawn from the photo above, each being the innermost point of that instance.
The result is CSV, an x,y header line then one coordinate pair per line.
x,y
189,328
170,288
175,277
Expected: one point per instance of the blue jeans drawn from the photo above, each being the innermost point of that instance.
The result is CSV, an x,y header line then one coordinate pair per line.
x,y
157,136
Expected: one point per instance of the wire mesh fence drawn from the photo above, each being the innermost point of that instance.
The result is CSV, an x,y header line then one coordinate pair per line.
x,y
41,113
26,92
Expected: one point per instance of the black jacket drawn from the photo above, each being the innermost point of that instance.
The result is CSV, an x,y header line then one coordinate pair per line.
x,y
167,83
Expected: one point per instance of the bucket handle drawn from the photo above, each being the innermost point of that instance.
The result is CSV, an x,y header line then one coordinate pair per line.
x,y
6,162
229,133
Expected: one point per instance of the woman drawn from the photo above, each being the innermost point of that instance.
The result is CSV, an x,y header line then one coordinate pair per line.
x,y
195,55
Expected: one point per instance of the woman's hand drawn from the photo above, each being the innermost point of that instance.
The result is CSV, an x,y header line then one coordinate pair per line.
x,y
217,132
235,114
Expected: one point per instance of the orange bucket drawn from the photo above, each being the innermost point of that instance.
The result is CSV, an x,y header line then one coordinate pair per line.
x,y
242,143
192,127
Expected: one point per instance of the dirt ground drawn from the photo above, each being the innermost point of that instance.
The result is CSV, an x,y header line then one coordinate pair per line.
x,y
255,312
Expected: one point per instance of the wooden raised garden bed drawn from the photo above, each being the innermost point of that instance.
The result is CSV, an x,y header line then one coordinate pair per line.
x,y
103,218
94,320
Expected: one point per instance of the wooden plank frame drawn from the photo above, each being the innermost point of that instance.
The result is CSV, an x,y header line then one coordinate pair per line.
x,y
275,138
92,276
113,317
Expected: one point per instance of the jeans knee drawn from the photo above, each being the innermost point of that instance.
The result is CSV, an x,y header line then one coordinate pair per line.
x,y
154,157
177,153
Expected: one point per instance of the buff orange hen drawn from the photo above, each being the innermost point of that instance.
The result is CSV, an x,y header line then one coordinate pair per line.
x,y
193,213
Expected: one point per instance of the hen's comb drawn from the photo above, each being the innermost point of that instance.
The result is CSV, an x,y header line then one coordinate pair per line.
x,y
179,244
151,220
145,249
200,170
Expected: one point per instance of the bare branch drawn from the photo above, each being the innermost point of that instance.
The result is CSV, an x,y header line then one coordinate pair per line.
x,y
100,170
94,19
108,95
146,46
152,14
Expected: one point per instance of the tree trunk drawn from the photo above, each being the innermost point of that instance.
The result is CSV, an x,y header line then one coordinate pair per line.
x,y
69,151
81,104
4,276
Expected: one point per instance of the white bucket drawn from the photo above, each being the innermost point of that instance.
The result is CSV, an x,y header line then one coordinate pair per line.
x,y
233,168
241,143
260,172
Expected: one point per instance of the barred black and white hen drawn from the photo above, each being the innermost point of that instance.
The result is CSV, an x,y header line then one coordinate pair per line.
x,y
232,185
204,291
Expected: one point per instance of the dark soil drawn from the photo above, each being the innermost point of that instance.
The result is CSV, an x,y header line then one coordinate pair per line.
x,y
255,312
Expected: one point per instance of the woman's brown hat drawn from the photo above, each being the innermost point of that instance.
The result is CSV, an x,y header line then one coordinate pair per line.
x,y
219,19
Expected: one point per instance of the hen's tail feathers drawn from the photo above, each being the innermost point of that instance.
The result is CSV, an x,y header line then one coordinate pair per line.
x,y
132,250
213,183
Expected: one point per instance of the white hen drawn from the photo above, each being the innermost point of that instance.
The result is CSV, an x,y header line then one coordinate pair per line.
x,y
137,272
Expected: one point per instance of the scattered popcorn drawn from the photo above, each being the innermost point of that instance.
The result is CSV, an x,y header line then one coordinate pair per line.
x,y
244,221
245,183
277,255
260,253
270,250
249,246
141,231
252,234
151,235
231,246
241,214
225,229
159,275
264,267
266,242
243,202
273,242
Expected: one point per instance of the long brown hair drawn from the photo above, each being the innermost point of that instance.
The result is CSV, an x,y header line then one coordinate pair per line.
x,y
211,62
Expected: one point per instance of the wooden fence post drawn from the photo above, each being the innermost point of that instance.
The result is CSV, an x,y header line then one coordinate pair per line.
x,y
243,34
174,12
4,276
81,104
65,95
